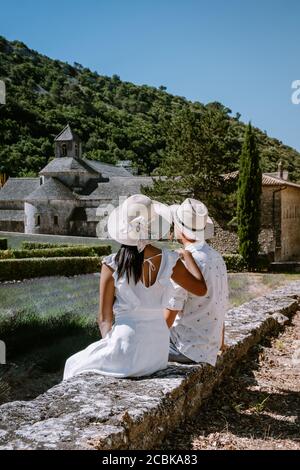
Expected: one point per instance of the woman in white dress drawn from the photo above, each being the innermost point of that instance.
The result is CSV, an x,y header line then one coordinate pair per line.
x,y
135,287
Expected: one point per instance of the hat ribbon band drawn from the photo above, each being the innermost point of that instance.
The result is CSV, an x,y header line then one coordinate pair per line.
x,y
186,226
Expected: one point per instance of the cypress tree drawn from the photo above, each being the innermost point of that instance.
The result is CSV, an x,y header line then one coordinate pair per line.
x,y
248,199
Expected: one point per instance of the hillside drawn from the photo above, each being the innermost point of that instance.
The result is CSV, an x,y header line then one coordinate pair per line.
x,y
116,120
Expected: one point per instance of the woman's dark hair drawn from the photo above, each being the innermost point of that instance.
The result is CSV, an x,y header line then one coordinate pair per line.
x,y
130,262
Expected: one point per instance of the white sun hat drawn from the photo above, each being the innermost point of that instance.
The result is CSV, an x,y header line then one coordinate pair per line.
x,y
209,230
191,218
138,221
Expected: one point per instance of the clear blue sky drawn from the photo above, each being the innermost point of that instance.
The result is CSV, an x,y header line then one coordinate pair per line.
x,y
242,53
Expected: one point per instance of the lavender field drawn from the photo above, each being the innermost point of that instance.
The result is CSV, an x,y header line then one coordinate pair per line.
x,y
46,320
51,296
80,294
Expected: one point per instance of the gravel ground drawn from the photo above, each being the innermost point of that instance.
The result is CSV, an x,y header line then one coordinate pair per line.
x,y
257,407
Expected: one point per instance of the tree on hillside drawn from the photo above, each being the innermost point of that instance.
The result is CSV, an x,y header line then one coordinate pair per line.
x,y
248,199
115,119
196,156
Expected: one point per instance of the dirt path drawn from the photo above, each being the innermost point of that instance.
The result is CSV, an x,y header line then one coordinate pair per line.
x,y
257,407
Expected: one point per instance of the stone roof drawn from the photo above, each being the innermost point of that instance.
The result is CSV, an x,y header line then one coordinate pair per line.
x,y
12,215
65,135
108,170
68,165
267,180
51,189
17,189
118,186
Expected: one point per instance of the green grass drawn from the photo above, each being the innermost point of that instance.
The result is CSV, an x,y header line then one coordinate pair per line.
x,y
246,286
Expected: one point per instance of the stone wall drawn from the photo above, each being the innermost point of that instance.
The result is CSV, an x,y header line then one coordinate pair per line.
x,y
12,205
96,412
47,211
224,241
11,226
290,221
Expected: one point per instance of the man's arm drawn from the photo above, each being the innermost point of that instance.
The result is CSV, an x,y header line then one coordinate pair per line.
x,y
170,316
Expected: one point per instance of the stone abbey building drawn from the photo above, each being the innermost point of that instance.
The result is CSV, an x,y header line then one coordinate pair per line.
x,y
71,196
280,216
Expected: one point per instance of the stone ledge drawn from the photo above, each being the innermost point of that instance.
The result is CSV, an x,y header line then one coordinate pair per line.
x,y
95,412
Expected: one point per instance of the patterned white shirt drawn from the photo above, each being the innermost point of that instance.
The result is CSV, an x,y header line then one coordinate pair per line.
x,y
197,330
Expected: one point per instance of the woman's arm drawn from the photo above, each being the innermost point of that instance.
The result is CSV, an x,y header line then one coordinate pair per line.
x,y
106,301
190,276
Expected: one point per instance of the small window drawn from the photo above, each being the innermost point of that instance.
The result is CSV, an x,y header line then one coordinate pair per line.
x,y
76,150
55,220
41,180
64,150
38,221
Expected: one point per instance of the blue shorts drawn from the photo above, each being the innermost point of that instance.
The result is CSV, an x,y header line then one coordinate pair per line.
x,y
177,356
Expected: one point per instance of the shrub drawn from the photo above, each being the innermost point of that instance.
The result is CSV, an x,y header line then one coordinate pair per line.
x,y
39,245
234,262
263,262
3,243
6,254
15,269
69,251
101,250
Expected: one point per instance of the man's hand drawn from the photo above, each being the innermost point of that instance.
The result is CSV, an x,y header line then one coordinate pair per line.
x,y
183,254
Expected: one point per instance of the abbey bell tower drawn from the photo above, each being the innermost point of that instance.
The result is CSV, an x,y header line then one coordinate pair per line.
x,y
67,144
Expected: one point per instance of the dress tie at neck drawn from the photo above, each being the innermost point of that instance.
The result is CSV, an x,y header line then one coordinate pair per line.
x,y
151,268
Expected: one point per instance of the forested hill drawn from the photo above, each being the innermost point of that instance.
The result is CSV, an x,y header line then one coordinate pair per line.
x,y
116,120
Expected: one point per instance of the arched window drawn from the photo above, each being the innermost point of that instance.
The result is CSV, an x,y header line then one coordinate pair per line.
x,y
64,150
38,220
55,220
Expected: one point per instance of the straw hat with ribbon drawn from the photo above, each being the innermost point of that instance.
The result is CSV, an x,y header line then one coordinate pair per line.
x,y
138,221
191,218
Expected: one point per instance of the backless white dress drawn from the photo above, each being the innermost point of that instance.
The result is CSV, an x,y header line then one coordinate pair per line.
x,y
138,343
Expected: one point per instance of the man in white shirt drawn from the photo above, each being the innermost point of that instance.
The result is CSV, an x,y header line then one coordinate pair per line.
x,y
198,330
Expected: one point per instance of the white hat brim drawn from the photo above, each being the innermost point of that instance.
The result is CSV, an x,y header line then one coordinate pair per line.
x,y
159,227
199,235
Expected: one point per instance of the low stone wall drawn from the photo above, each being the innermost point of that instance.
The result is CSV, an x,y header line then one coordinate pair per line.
x,y
95,412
